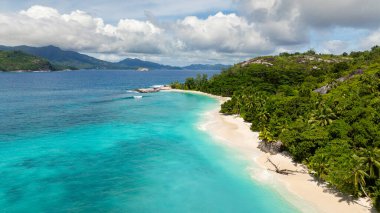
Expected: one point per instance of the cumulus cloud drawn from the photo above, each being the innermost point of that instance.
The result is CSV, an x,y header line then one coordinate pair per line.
x,y
335,46
223,33
255,27
346,13
317,13
279,20
289,21
78,30
370,40
39,12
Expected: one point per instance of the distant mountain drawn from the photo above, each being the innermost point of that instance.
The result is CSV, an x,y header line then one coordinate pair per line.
x,y
81,61
19,61
137,63
206,67
74,60
61,57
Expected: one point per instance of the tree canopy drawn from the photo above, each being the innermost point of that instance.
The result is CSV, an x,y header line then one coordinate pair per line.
x,y
324,108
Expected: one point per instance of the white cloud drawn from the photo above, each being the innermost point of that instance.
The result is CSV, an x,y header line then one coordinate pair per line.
x,y
222,33
107,57
40,12
371,40
279,20
335,46
345,13
78,31
256,27
316,13
217,35
288,22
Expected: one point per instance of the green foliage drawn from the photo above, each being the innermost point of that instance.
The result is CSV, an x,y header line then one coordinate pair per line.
x,y
199,83
323,116
310,52
16,60
336,134
266,136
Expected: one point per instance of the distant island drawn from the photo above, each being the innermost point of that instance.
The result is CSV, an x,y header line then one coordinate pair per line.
x,y
63,59
322,109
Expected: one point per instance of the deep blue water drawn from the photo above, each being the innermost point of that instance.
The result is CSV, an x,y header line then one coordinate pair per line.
x,y
78,142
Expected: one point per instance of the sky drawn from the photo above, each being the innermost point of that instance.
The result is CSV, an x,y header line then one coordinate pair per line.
x,y
182,32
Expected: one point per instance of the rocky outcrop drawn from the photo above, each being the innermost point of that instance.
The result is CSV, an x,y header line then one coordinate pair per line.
x,y
271,147
258,61
325,89
153,89
147,90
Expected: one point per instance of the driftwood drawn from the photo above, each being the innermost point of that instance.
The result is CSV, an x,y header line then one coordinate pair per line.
x,y
280,171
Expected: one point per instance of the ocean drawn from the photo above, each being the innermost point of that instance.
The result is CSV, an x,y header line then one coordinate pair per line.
x,y
78,141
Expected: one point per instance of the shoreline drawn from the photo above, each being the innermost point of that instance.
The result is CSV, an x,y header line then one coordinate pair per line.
x,y
300,189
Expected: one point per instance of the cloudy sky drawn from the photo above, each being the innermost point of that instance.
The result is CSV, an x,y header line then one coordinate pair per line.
x,y
181,32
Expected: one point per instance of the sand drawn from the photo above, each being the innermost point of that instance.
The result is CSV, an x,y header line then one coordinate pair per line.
x,y
300,189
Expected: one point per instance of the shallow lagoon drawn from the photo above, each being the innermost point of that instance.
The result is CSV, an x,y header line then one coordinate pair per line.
x,y
78,142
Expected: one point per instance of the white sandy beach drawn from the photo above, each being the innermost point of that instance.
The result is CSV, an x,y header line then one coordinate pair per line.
x,y
300,189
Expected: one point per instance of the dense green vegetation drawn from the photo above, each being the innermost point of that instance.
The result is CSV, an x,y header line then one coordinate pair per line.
x,y
16,60
336,134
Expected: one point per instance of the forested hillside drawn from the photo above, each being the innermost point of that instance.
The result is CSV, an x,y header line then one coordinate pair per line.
x,y
325,109
16,60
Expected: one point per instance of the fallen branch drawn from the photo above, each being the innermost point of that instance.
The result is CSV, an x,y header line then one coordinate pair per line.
x,y
280,171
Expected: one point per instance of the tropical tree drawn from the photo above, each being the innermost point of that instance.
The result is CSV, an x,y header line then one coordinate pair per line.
x,y
358,177
335,134
369,159
320,165
249,102
322,117
266,136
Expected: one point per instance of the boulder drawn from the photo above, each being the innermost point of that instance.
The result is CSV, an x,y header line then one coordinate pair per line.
x,y
271,147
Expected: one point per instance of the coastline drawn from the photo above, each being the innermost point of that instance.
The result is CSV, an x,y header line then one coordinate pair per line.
x,y
300,189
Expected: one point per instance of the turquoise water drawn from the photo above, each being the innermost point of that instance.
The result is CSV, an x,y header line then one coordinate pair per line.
x,y
78,142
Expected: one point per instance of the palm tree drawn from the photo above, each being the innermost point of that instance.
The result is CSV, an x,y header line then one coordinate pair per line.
x,y
266,136
358,177
261,112
261,100
369,159
320,165
239,103
263,116
366,162
322,117
249,103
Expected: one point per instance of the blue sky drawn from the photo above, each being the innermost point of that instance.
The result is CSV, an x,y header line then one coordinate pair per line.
x,y
181,32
